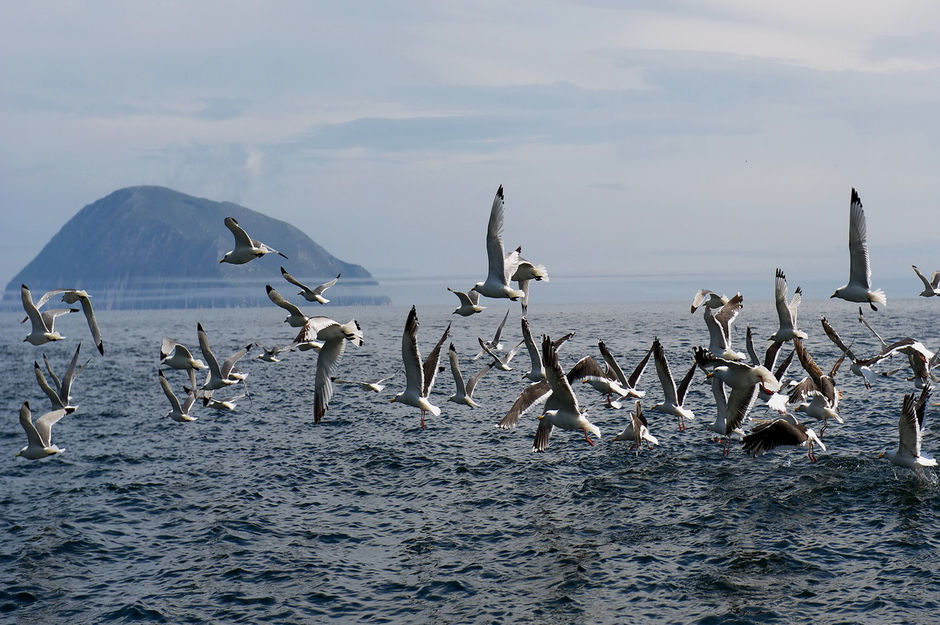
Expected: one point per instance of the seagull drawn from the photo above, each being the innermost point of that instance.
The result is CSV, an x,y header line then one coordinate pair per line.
x,y
858,288
71,296
565,412
783,431
673,397
297,318
39,436
819,408
786,312
498,274
246,248
858,366
522,272
42,323
719,328
921,360
414,395
376,386
628,384
536,371
464,394
726,425
469,303
606,383
177,356
816,379
219,377
333,335
539,392
495,345
178,412
311,295
223,404
931,287
270,355
500,363
745,382
637,430
910,428
709,298
776,400
61,395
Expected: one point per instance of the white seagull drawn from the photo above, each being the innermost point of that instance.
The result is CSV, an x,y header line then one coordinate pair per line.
x,y
498,274
71,296
39,436
673,397
858,366
464,394
786,312
178,412
709,298
745,382
219,377
522,272
539,392
469,303
932,286
494,345
311,295
819,408
719,328
333,335
858,288
910,427
177,356
414,395
564,412
297,318
43,329
628,384
246,248
375,386
725,425
637,430
61,395
536,372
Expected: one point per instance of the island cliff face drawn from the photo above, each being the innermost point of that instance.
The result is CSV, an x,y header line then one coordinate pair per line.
x,y
152,247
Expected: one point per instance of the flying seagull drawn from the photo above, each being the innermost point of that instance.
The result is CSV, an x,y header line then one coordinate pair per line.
x,y
858,288
311,295
498,274
39,435
246,248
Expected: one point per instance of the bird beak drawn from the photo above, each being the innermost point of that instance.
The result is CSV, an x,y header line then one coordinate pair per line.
x,y
881,455
222,260
541,416
709,375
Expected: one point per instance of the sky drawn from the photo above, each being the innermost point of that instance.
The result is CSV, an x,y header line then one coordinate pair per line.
x,y
704,142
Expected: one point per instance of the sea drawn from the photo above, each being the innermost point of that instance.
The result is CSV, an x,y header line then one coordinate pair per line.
x,y
256,515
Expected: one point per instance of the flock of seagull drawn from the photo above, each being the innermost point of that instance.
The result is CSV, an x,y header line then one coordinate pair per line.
x,y
738,379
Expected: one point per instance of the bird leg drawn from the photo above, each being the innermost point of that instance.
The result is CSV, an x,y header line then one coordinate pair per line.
x,y
588,438
422,420
681,424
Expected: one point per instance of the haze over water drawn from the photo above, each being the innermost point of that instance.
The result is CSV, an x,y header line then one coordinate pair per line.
x,y
258,516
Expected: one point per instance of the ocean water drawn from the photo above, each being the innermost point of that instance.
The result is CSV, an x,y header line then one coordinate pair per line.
x,y
258,516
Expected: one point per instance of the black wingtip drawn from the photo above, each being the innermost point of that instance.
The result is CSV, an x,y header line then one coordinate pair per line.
x,y
268,288
101,348
855,198
199,327
499,192
283,271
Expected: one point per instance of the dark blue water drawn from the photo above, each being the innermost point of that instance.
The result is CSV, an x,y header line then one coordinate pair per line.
x,y
257,516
